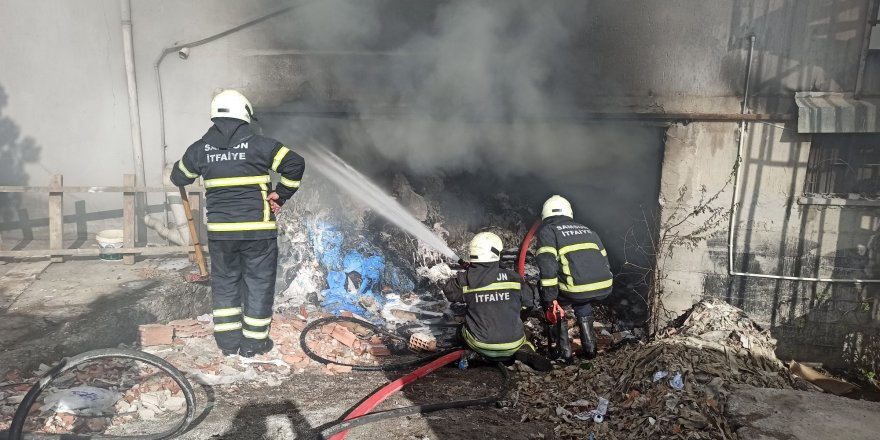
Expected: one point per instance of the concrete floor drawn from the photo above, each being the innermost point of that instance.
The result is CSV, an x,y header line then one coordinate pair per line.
x,y
86,304
81,305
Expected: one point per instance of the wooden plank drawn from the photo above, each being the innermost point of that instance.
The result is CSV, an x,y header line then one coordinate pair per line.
x,y
17,280
195,202
94,252
97,189
56,216
128,218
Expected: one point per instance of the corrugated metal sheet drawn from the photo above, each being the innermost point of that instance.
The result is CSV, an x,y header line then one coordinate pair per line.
x,y
825,112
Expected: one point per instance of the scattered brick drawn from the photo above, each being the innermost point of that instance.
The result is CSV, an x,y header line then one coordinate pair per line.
x,y
155,334
327,329
344,335
294,359
423,342
379,350
359,347
297,324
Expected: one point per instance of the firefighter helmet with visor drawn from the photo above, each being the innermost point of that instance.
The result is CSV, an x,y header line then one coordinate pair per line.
x,y
485,248
232,104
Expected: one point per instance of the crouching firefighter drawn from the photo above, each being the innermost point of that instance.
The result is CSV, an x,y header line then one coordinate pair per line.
x,y
494,298
235,163
574,271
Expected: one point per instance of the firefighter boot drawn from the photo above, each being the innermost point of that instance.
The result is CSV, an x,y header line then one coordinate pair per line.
x,y
528,356
255,349
588,336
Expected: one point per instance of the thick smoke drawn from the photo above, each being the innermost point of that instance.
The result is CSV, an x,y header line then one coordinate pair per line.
x,y
485,93
471,84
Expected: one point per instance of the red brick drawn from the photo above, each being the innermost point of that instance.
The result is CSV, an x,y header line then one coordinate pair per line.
x,y
346,314
359,347
297,324
67,419
155,334
344,335
327,329
185,323
423,342
294,359
379,350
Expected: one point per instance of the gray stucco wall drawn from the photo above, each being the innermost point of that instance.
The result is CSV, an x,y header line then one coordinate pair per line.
x,y
62,71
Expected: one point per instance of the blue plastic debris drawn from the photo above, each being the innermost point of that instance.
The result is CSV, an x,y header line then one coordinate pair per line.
x,y
373,267
340,258
660,375
327,241
677,382
353,262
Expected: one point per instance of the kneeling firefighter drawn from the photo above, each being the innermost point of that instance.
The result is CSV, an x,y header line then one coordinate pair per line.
x,y
494,298
574,271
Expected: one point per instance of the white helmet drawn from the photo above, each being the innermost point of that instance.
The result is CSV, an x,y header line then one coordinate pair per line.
x,y
232,104
485,248
556,205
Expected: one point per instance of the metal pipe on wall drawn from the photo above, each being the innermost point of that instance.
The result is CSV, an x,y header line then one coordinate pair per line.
x,y
133,111
183,51
731,231
872,9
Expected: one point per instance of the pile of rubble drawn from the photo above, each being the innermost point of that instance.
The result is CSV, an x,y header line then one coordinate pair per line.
x,y
131,391
94,397
674,386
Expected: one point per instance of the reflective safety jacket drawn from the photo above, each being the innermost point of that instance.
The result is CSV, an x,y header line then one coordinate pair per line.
x,y
573,262
235,164
494,298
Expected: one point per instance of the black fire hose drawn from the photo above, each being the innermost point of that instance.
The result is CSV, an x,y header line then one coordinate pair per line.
x,y
66,364
346,424
390,367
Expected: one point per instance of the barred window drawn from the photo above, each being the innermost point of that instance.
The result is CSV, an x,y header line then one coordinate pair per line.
x,y
843,164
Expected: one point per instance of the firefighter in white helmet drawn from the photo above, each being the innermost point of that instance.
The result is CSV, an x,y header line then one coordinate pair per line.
x,y
235,163
494,299
574,269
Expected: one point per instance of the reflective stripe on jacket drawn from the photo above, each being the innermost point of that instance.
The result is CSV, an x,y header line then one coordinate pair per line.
x,y
494,298
235,164
572,260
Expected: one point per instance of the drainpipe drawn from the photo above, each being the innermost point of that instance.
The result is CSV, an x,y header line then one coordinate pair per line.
x,y
731,231
183,52
133,112
873,8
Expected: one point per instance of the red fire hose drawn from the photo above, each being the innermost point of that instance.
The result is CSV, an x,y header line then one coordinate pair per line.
x,y
362,415
521,265
379,396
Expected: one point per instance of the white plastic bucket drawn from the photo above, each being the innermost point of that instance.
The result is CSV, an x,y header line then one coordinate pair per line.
x,y
110,239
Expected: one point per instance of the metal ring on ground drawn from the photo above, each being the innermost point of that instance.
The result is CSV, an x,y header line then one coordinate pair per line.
x,y
15,430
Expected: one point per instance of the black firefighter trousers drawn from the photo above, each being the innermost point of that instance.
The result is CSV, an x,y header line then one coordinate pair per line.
x,y
243,285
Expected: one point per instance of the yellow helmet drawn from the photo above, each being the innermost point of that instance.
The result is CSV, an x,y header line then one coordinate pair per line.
x,y
556,205
231,104
485,248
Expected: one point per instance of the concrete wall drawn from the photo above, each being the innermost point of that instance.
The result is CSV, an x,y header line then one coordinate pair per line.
x,y
64,102
66,113
774,235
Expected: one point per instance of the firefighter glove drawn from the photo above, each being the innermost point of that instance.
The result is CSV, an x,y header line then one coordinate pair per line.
x,y
555,312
